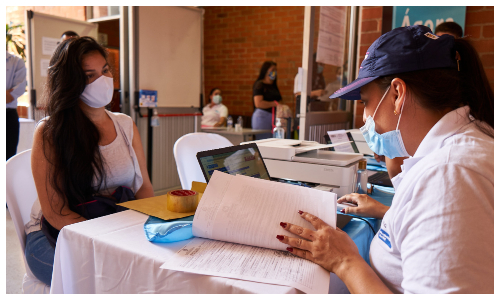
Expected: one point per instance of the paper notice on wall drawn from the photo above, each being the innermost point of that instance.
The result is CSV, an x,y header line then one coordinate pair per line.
x,y
331,37
49,45
44,66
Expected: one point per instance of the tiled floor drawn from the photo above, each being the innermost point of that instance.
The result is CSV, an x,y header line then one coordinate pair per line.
x,y
15,264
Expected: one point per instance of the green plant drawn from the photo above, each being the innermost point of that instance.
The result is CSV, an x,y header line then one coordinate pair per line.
x,y
15,39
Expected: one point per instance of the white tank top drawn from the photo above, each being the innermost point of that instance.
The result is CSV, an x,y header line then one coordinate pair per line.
x,y
120,164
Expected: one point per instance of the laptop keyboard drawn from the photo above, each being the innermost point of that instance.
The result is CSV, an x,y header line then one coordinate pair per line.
x,y
380,178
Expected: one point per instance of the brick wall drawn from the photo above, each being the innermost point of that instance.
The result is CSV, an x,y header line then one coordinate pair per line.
x,y
479,26
370,30
237,40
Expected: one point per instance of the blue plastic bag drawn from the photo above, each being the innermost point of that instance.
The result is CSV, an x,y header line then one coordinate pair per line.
x,y
161,231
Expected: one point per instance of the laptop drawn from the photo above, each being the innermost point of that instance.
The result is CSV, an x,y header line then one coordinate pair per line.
x,y
241,159
375,177
244,160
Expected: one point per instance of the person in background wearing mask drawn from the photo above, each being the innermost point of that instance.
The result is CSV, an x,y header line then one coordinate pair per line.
x,y
426,98
318,82
450,28
266,96
67,35
16,86
214,113
80,150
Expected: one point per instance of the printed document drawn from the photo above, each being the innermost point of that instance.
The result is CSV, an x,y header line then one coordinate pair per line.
x,y
223,259
340,136
247,211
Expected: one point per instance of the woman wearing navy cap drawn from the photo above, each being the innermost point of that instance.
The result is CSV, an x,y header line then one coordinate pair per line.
x,y
426,98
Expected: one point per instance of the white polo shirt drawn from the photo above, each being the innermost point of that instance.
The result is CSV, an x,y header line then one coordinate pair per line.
x,y
212,115
437,237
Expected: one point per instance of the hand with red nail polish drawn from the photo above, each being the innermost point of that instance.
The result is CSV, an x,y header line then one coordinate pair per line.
x,y
327,246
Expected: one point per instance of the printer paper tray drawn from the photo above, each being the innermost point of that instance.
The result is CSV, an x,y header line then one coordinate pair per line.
x,y
330,158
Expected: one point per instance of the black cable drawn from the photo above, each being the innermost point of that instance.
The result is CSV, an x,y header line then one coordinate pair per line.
x,y
371,227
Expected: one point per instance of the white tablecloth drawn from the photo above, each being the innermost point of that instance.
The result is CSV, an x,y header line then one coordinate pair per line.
x,y
112,255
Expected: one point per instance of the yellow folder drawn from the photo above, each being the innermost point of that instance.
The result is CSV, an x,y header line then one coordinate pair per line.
x,y
157,206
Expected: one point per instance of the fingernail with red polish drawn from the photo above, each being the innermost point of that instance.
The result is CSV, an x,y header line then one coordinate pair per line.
x,y
280,237
343,210
289,249
300,212
282,224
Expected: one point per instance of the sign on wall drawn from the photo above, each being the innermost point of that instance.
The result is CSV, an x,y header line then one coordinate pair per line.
x,y
331,37
430,16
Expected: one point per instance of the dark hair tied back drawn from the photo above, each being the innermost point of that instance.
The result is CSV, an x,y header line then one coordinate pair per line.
x,y
443,88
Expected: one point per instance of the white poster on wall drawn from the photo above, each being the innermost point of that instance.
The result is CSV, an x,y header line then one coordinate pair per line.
x,y
44,66
49,45
331,37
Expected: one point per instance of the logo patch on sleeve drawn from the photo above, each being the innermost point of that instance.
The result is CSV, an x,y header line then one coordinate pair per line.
x,y
384,237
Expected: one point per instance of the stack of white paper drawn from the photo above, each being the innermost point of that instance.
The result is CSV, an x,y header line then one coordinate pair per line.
x,y
247,211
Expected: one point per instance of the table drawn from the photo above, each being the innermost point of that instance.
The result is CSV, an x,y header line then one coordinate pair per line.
x,y
111,255
236,137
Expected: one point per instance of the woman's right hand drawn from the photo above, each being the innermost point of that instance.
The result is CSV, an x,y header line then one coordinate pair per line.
x,y
366,206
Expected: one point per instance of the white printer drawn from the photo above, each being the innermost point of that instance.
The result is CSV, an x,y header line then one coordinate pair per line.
x,y
305,161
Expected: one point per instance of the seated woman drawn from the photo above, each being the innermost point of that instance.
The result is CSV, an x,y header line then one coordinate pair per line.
x,y
81,149
214,113
437,237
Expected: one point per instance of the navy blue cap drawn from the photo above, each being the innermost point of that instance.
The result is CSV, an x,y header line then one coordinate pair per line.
x,y
400,50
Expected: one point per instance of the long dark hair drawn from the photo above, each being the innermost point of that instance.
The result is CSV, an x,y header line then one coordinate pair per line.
x,y
442,89
263,72
75,160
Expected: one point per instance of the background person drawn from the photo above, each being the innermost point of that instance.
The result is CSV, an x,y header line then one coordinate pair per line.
x,y
424,245
81,150
318,81
214,113
16,86
67,35
266,96
450,28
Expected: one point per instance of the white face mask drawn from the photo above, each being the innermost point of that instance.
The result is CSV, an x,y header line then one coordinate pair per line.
x,y
99,93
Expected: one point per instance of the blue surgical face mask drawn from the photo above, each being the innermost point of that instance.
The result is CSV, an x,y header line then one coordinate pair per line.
x,y
217,99
320,69
389,144
272,75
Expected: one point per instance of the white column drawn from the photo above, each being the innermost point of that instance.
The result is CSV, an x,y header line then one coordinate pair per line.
x,y
307,63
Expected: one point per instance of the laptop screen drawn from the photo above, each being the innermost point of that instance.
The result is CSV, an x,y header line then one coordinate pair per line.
x,y
242,159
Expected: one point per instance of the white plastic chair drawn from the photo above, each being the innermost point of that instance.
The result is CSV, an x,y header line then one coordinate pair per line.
x,y
21,194
185,149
